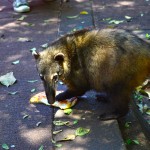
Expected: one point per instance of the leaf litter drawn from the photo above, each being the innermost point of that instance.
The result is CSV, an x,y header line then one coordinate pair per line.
x,y
16,62
5,146
22,18
8,79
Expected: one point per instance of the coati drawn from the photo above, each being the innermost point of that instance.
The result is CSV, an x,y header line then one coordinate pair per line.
x,y
108,60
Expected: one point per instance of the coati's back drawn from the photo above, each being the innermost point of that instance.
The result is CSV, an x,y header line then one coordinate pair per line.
x,y
111,56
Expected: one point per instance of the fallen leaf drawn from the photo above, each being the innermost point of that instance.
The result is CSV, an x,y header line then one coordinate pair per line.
x,y
12,146
81,131
44,45
38,123
21,18
24,39
128,141
33,49
30,24
13,93
60,123
142,15
41,147
33,90
75,122
8,79
5,146
70,137
127,124
148,112
136,142
56,132
116,22
25,116
72,17
58,145
68,111
32,81
16,62
53,141
84,13
147,36
128,17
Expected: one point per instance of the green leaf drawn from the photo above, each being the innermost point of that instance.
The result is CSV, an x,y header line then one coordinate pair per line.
x,y
81,131
128,141
30,24
33,90
70,137
53,141
32,81
56,132
68,111
148,112
147,36
22,18
75,121
13,93
136,142
16,62
72,17
41,147
127,124
8,79
84,13
60,123
5,146
58,145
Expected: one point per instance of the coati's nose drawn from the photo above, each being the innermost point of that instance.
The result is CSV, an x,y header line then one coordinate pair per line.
x,y
50,92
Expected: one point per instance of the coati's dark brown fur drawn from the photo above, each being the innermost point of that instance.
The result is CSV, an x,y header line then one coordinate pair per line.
x,y
109,60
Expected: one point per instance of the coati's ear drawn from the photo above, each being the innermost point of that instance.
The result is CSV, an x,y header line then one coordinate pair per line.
x,y
70,43
59,57
35,54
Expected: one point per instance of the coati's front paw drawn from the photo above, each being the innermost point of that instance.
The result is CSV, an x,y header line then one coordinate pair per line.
x,y
102,97
68,94
110,116
65,95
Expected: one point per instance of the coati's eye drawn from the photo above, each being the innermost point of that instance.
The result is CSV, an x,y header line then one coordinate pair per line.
x,y
41,76
55,77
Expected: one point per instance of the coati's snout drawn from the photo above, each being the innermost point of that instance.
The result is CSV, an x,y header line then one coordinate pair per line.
x,y
49,74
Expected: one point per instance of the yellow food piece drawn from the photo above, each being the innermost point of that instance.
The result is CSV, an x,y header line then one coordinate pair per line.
x,y
64,104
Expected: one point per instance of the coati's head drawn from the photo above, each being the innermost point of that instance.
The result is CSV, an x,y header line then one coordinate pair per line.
x,y
53,64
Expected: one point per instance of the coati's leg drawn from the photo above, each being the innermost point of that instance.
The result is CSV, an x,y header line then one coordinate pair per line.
x,y
102,97
120,97
69,94
120,107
